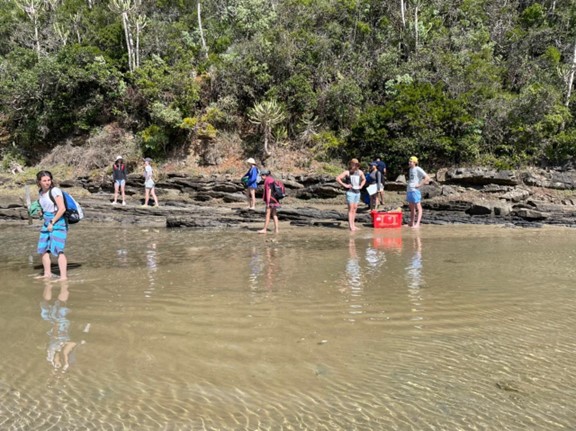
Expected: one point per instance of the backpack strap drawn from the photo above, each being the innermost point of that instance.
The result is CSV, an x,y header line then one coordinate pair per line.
x,y
56,205
52,198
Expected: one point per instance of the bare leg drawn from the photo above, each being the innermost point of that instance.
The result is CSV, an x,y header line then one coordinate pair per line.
x,y
419,215
381,197
153,191
374,201
253,198
123,188
146,196
352,216
115,192
275,218
412,214
47,265
63,266
267,221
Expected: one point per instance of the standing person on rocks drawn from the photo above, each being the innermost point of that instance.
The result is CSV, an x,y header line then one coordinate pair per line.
x,y
54,231
149,183
416,179
353,180
119,178
272,204
250,180
377,179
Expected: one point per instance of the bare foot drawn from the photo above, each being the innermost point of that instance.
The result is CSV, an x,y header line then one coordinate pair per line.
x,y
263,231
43,277
416,226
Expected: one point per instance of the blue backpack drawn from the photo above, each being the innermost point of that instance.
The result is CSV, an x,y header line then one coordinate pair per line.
x,y
73,213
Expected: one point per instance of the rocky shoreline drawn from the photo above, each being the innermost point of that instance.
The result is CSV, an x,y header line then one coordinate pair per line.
x,y
529,198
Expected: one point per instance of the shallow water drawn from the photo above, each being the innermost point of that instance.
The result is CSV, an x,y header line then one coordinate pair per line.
x,y
445,328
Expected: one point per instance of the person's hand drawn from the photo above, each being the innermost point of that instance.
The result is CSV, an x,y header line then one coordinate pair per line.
x,y
50,226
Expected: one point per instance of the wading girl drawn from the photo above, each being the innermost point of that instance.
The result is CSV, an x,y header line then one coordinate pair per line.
x,y
55,228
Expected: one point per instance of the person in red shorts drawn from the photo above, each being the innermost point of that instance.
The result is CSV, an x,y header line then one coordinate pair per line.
x,y
272,204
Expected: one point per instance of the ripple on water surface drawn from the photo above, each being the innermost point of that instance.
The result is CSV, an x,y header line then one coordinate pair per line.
x,y
461,328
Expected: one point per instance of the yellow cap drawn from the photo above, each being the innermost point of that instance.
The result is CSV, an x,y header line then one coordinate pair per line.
x,y
413,159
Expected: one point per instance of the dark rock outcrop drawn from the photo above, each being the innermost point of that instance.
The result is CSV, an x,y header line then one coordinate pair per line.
x,y
530,197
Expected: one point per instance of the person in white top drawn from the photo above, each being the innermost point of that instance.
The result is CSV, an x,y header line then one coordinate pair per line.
x,y
149,183
416,179
352,180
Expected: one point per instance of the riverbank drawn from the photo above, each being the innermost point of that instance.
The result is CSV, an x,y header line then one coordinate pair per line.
x,y
531,197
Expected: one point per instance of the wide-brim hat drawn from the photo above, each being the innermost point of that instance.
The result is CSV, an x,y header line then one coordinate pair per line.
x,y
251,161
148,159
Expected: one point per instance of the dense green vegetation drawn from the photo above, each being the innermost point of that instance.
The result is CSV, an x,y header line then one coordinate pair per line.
x,y
456,82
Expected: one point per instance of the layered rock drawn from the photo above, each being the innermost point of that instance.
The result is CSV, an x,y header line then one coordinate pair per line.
x,y
457,195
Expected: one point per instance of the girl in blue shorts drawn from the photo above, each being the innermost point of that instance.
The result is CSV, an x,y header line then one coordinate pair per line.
x,y
352,180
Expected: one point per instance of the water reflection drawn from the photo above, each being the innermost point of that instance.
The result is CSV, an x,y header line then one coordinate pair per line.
x,y
152,267
121,248
60,351
415,280
263,267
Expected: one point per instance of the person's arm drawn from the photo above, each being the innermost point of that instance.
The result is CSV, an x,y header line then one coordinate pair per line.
x,y
425,180
340,178
362,180
60,213
267,193
253,174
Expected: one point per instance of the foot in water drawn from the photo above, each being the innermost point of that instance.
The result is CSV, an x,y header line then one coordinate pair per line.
x,y
263,231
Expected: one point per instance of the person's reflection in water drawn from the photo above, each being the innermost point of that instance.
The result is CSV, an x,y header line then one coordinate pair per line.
x,y
152,265
415,279
263,267
256,267
354,280
270,267
121,249
60,352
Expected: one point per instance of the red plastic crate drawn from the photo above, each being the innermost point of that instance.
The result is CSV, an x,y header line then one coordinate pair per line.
x,y
384,220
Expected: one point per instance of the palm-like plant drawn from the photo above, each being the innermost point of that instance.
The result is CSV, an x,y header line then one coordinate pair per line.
x,y
266,115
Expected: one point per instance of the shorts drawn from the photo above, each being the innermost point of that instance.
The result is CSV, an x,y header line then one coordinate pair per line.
x,y
120,182
414,197
149,184
352,197
52,242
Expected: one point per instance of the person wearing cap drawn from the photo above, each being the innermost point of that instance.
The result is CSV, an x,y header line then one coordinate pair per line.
x,y
149,183
119,178
272,204
250,180
352,180
416,179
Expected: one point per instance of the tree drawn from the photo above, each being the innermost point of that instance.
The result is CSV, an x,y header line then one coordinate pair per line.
x,y
133,24
266,115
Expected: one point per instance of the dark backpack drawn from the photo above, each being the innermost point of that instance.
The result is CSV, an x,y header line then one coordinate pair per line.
x,y
278,190
73,213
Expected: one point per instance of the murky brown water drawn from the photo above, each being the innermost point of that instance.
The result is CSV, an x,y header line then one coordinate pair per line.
x,y
449,328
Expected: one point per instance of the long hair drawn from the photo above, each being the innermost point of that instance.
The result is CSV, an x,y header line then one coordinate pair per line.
x,y
43,174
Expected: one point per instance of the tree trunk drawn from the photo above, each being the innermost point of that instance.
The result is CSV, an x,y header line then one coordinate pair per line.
x,y
416,41
402,10
571,77
204,47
